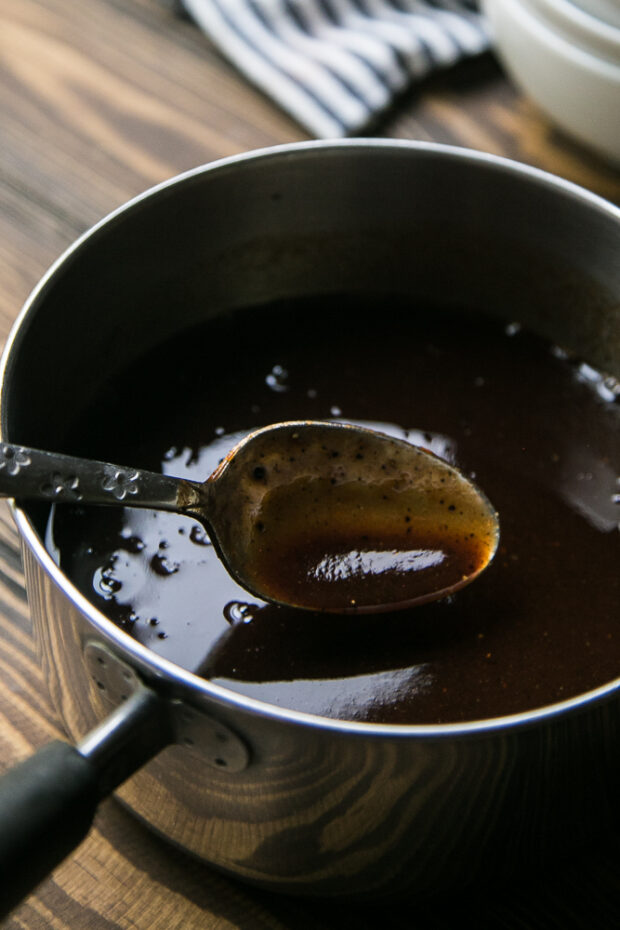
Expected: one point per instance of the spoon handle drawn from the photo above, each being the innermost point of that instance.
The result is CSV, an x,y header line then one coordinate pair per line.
x,y
32,474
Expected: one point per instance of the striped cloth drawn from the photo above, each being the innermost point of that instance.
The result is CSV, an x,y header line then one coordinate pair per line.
x,y
336,65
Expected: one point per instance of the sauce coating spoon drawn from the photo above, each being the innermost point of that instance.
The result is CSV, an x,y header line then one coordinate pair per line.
x,y
315,515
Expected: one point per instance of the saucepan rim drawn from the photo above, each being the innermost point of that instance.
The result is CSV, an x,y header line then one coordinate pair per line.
x,y
156,667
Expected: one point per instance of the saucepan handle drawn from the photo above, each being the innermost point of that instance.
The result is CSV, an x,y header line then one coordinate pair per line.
x,y
47,805
48,802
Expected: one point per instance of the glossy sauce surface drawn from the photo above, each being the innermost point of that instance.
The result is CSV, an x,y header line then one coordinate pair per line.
x,y
539,431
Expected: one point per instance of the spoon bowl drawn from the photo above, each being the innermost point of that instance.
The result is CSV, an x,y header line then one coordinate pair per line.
x,y
334,517
320,516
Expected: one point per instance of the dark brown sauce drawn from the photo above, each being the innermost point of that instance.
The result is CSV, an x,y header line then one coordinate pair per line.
x,y
357,547
538,430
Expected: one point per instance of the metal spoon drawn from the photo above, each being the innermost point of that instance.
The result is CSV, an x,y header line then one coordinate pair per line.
x,y
315,515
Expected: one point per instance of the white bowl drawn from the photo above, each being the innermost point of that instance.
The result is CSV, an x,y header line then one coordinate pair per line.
x,y
606,10
571,20
567,61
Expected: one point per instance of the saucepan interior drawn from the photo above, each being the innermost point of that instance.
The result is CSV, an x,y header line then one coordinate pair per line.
x,y
325,806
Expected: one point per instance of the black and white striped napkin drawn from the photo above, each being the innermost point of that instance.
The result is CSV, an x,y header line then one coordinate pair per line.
x,y
336,65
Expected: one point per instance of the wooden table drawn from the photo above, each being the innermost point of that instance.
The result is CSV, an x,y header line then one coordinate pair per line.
x,y
99,100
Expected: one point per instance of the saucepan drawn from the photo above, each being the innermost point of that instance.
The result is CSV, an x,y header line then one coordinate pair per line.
x,y
290,801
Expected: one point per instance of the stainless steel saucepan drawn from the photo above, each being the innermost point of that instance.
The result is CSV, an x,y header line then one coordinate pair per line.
x,y
294,802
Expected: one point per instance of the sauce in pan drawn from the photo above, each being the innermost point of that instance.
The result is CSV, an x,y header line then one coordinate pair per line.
x,y
537,429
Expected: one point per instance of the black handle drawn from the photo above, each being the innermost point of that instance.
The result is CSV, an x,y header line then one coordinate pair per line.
x,y
47,805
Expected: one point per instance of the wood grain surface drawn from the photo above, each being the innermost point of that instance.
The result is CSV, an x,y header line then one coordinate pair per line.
x,y
98,101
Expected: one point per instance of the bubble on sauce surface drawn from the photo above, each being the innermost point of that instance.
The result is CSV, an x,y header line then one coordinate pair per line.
x,y
277,379
199,535
133,544
239,612
164,566
105,584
